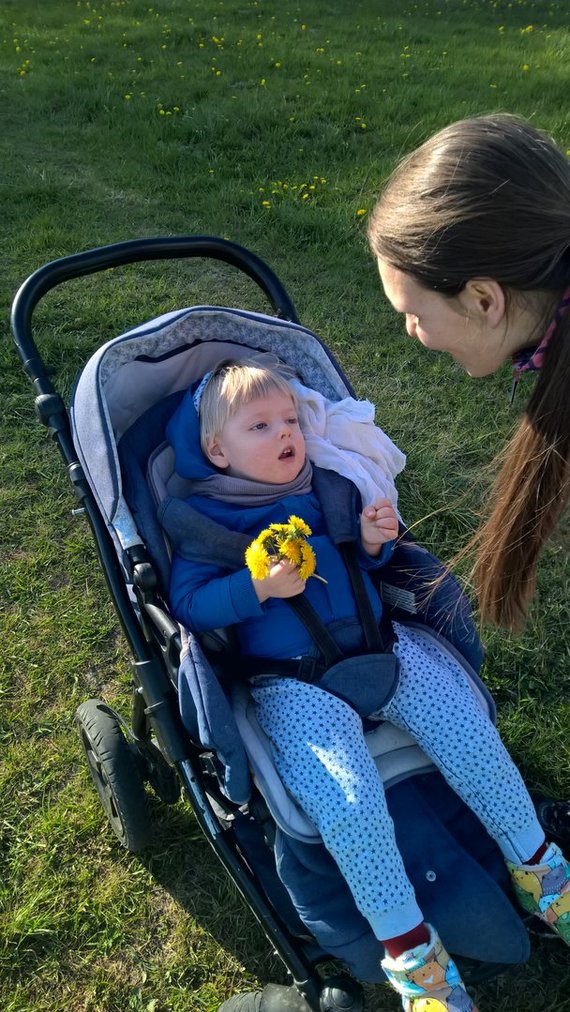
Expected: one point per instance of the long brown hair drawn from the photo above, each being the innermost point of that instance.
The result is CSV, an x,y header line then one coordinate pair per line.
x,y
490,197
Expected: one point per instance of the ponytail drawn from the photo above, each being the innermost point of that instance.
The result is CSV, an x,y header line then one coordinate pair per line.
x,y
529,494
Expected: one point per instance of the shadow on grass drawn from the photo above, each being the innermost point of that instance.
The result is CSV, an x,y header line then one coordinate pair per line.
x,y
182,861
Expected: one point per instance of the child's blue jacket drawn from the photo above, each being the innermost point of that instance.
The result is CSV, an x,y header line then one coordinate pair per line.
x,y
205,596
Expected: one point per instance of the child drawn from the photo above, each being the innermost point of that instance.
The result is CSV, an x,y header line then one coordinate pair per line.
x,y
251,435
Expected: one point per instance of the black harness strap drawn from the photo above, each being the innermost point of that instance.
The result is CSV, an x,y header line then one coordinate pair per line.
x,y
306,668
379,637
311,669
316,628
372,636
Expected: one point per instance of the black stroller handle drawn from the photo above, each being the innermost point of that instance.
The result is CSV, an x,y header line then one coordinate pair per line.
x,y
51,411
133,251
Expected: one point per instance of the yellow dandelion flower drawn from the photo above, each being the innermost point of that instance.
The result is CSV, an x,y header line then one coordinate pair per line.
x,y
265,535
292,550
360,212
257,561
309,563
300,527
282,541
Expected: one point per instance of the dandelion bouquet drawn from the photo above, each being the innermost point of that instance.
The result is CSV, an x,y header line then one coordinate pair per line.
x,y
282,541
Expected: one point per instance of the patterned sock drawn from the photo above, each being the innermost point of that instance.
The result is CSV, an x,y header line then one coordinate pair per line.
x,y
402,943
540,855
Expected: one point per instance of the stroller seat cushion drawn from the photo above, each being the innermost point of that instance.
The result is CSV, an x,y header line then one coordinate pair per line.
x,y
162,478
395,753
207,716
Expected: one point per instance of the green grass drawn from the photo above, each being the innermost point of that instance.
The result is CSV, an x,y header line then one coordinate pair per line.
x,y
271,123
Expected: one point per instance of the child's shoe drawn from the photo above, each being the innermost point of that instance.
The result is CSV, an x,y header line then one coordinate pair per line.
x,y
544,889
428,979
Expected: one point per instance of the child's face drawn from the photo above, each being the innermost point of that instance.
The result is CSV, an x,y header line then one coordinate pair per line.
x,y
262,441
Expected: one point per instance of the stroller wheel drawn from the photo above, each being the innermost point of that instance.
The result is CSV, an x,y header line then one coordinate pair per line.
x,y
554,817
248,1002
115,772
337,994
158,773
341,994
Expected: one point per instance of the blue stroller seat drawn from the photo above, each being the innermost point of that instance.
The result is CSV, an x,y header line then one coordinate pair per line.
x,y
223,721
449,847
190,725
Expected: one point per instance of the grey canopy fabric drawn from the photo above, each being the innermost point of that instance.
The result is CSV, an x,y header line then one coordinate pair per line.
x,y
146,365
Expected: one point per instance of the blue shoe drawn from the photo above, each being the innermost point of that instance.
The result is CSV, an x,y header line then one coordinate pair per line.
x,y
428,979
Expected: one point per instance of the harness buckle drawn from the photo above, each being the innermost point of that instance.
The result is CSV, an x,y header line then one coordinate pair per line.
x,y
310,669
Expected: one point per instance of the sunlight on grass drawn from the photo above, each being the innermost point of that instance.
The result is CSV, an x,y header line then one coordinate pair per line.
x,y
273,125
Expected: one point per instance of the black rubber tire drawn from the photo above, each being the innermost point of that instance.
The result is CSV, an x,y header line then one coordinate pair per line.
x,y
248,1002
273,998
115,773
554,817
341,994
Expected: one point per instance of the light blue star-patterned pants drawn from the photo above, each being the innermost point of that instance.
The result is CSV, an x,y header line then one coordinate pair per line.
x,y
322,758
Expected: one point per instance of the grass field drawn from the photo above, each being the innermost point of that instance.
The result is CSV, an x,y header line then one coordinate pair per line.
x,y
273,124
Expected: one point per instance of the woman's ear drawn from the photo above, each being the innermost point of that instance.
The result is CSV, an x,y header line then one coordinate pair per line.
x,y
215,455
484,298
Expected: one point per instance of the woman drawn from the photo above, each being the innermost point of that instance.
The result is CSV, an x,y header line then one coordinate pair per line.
x,y
472,238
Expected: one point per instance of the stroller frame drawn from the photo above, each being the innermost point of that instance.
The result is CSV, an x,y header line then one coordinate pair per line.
x,y
154,639
155,642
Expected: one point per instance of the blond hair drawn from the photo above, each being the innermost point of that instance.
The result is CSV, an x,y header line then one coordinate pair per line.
x,y
233,383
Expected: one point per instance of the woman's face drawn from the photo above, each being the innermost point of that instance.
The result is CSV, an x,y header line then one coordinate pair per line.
x,y
455,325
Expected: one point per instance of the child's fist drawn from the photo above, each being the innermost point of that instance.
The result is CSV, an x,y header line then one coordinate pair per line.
x,y
283,581
378,524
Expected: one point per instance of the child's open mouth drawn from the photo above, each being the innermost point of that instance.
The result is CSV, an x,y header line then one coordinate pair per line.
x,y
287,454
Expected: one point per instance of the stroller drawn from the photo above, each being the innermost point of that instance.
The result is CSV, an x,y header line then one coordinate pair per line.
x,y
187,729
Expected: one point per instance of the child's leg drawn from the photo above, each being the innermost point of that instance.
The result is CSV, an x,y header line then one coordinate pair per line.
x,y
436,705
322,758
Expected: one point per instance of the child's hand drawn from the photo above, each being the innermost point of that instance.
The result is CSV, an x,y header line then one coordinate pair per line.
x,y
283,581
378,524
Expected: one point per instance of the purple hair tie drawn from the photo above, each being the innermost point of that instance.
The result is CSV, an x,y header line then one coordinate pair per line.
x,y
532,359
